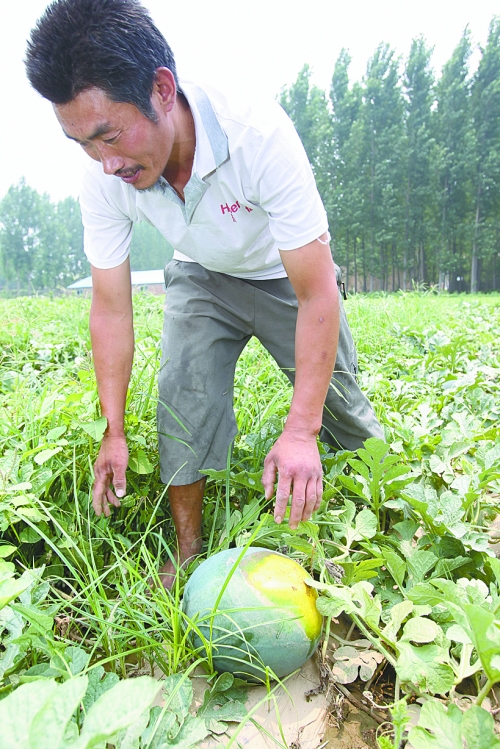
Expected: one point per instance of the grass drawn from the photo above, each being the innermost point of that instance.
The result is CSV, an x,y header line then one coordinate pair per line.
x,y
430,364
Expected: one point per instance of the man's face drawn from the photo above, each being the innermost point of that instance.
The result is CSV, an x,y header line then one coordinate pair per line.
x,y
126,143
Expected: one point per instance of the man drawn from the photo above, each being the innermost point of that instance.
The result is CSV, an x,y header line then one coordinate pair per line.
x,y
230,187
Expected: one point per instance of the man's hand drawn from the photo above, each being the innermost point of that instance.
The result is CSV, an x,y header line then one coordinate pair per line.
x,y
295,457
109,469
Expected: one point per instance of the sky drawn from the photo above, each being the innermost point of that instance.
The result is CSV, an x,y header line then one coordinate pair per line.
x,y
256,47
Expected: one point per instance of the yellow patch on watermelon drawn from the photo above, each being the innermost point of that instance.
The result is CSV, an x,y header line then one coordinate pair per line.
x,y
282,582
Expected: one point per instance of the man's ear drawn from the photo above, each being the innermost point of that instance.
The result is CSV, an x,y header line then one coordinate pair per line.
x,y
164,88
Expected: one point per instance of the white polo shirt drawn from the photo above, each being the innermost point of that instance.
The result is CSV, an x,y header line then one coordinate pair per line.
x,y
251,193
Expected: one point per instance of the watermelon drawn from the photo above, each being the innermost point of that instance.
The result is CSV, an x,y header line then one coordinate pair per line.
x,y
266,616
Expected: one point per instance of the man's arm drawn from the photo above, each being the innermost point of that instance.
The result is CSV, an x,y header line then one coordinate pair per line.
x,y
295,455
112,335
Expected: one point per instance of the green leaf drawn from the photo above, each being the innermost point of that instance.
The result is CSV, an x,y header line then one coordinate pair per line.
x,y
163,726
139,463
298,543
357,571
423,498
492,457
178,694
192,733
216,716
18,709
426,667
420,563
12,588
337,600
6,551
399,612
96,428
355,487
486,638
395,565
29,536
478,729
55,433
130,738
448,728
40,622
438,727
445,567
420,629
116,709
370,608
97,685
366,524
495,568
72,662
45,455
49,724
248,479
406,529
374,450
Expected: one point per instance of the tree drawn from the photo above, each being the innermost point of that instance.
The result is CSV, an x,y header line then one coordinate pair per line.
x,y
41,243
419,199
455,139
19,233
347,203
149,249
384,165
307,107
485,100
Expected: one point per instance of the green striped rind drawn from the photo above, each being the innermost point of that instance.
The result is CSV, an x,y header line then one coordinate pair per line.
x,y
267,615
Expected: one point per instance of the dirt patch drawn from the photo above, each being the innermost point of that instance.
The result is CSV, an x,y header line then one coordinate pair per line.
x,y
357,730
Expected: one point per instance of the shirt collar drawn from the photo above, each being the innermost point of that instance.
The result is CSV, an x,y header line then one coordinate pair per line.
x,y
211,151
211,141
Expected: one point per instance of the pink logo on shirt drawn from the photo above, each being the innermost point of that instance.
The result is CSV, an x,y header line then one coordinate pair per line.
x,y
230,209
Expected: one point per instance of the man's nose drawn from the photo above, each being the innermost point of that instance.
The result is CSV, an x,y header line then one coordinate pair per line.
x,y
110,160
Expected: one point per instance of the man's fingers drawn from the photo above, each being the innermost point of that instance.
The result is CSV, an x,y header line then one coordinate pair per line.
x,y
269,477
97,505
120,486
311,499
98,495
112,499
306,499
319,493
282,497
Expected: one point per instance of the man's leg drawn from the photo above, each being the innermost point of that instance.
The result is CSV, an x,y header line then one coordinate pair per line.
x,y
205,330
186,503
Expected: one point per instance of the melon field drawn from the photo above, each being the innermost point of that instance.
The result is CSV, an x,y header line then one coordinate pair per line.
x,y
401,552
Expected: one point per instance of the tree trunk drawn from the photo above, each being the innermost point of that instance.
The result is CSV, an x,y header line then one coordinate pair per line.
x,y
364,263
355,266
347,263
474,261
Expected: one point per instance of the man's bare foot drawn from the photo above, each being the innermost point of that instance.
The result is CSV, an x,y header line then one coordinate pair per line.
x,y
169,571
186,508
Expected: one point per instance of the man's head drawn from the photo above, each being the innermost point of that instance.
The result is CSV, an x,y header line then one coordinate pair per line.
x,y
111,45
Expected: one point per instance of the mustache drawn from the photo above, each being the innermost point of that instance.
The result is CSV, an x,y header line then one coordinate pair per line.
x,y
129,171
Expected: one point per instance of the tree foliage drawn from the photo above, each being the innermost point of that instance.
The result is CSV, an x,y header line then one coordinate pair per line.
x,y
41,243
409,166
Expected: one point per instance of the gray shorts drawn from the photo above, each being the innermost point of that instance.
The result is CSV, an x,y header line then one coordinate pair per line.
x,y
209,318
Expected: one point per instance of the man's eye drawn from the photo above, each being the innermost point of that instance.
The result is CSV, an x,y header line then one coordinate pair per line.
x,y
110,141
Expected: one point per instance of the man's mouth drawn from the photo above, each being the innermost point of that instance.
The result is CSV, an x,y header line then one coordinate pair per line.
x,y
128,176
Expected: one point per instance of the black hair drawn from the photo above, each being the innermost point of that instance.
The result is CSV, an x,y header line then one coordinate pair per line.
x,y
108,44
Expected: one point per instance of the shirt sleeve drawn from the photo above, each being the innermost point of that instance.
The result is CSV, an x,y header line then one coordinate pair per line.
x,y
107,225
285,188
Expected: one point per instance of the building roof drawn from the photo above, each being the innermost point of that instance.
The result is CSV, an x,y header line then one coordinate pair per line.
x,y
138,278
